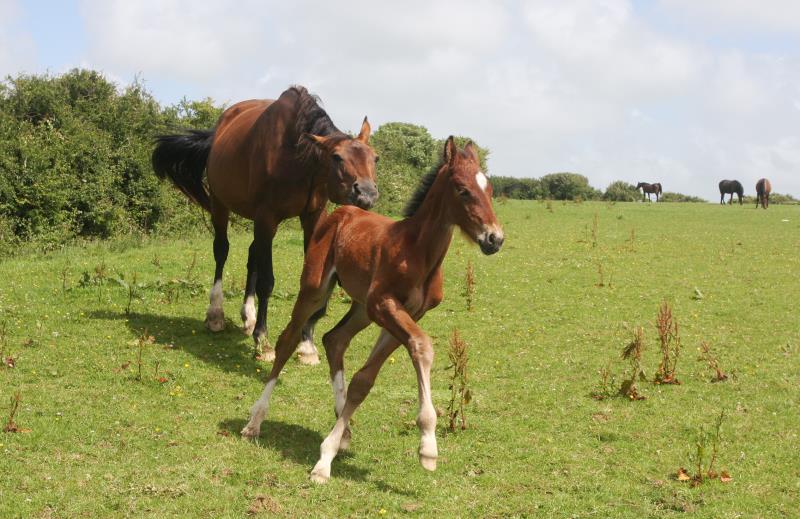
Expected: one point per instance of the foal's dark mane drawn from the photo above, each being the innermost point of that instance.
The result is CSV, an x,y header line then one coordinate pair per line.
x,y
313,119
425,184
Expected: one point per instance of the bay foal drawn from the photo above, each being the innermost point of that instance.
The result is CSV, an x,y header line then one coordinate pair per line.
x,y
393,273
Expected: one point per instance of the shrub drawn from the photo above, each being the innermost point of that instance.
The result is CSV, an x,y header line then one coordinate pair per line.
x,y
620,191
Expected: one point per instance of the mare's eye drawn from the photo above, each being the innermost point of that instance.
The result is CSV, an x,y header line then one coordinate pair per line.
x,y
337,157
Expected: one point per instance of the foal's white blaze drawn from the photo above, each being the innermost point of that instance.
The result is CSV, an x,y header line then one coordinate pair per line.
x,y
481,179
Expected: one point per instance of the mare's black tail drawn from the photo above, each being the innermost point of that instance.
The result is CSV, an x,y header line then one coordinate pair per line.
x,y
182,158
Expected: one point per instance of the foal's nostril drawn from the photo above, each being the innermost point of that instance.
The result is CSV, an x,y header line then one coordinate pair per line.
x,y
492,238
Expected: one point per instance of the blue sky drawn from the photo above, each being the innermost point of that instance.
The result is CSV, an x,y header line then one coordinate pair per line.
x,y
676,91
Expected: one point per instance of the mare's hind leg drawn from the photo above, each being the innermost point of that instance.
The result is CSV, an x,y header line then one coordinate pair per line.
x,y
248,312
311,297
263,233
336,343
215,317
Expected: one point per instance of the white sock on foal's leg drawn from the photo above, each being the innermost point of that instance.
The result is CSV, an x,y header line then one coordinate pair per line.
x,y
215,319
259,411
339,397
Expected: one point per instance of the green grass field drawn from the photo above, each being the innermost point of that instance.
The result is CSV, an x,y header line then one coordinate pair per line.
x,y
99,443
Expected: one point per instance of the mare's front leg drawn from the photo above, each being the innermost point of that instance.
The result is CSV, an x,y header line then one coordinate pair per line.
x,y
357,391
215,316
264,232
308,353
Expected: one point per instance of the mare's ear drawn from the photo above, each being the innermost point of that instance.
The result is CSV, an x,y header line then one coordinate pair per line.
x,y
472,150
450,150
315,139
363,135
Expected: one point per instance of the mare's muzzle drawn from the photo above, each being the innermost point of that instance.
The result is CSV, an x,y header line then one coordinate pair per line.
x,y
364,194
491,240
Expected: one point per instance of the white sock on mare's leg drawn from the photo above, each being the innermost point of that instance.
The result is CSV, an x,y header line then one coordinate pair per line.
x,y
249,315
215,318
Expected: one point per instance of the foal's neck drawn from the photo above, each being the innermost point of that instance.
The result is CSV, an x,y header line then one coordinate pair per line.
x,y
432,224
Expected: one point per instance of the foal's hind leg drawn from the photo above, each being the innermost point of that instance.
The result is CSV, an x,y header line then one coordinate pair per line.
x,y
215,317
336,343
248,312
311,297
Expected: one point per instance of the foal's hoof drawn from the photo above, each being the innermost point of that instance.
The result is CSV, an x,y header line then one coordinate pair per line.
x,y
318,477
251,431
427,462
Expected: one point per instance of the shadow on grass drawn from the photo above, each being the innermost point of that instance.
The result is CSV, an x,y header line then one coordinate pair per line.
x,y
229,349
298,444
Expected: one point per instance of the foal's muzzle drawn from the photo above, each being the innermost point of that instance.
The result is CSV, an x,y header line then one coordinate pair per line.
x,y
364,194
491,240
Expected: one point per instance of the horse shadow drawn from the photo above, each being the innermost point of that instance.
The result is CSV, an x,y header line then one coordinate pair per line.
x,y
299,444
230,350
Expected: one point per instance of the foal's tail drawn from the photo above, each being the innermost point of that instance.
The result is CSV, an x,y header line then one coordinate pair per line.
x,y
182,158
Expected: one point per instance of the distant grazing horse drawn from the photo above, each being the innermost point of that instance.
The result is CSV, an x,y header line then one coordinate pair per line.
x,y
392,270
268,160
763,189
730,187
648,189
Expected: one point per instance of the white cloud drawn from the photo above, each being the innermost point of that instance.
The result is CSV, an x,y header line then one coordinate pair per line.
x,y
17,49
598,87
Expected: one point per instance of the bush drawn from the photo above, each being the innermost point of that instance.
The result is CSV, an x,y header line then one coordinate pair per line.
x,y
668,196
620,191
568,186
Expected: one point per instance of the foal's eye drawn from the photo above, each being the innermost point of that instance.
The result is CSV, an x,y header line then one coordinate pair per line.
x,y
465,194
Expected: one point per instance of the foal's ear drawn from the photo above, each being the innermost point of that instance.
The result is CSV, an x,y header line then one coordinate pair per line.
x,y
363,135
471,150
450,150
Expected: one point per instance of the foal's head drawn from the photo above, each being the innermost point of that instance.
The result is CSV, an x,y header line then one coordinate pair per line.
x,y
470,197
350,164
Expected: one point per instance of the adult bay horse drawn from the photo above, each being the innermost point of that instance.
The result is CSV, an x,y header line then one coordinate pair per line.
x,y
392,270
267,160
763,189
648,189
729,187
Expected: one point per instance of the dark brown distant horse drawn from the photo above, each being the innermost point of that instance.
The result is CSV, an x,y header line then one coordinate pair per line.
x,y
763,189
730,187
393,273
648,189
268,160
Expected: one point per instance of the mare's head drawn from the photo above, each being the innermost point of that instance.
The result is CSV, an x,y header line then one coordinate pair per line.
x,y
470,196
350,167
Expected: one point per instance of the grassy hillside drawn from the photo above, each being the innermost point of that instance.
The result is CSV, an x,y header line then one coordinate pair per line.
x,y
98,442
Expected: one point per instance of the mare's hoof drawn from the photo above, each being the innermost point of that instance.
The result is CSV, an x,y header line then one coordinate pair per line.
x,y
309,359
427,462
215,320
267,355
